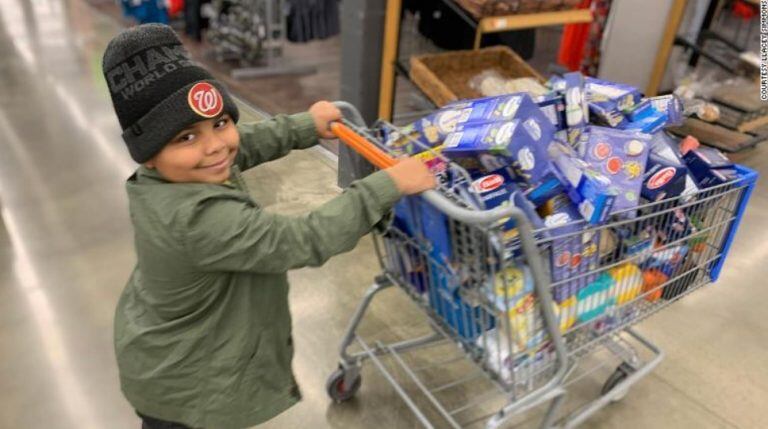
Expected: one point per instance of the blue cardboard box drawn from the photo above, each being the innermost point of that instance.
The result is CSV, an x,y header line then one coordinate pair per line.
x,y
576,108
622,157
498,189
522,143
610,95
710,167
666,175
553,107
672,106
609,100
574,252
590,190
432,129
651,123
640,110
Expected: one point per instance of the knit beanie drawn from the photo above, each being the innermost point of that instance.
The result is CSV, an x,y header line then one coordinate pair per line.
x,y
156,90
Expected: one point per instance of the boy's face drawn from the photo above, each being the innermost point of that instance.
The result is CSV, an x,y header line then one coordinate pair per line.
x,y
201,153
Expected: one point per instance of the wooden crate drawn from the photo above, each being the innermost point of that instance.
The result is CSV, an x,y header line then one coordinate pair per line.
x,y
445,77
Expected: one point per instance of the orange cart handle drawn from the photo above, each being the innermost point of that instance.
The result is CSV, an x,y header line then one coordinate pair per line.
x,y
361,145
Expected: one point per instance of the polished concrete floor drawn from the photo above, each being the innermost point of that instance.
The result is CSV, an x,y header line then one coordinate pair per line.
x,y
66,251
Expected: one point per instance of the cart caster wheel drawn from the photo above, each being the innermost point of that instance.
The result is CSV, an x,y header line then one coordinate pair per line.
x,y
622,372
338,390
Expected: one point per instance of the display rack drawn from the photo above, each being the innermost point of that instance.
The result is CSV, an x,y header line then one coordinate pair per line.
x,y
495,24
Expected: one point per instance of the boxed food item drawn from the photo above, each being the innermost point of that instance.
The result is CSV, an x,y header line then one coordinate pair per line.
x,y
497,189
710,167
672,106
663,179
651,123
522,143
553,107
620,155
639,111
666,175
576,109
609,100
611,96
611,118
432,129
573,250
589,189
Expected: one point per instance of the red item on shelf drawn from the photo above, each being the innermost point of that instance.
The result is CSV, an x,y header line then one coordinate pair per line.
x,y
744,10
573,41
175,7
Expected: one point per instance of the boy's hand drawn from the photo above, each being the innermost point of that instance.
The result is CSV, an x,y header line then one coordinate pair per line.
x,y
411,176
324,112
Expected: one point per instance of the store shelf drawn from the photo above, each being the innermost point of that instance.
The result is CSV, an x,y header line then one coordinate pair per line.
x,y
497,24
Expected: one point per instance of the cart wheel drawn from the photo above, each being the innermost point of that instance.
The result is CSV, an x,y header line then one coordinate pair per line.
x,y
622,372
338,390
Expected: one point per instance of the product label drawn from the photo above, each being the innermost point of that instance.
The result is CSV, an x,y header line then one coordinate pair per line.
x,y
526,159
661,178
510,107
533,129
487,183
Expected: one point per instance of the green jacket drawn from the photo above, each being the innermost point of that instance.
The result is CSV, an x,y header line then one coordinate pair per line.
x,y
202,329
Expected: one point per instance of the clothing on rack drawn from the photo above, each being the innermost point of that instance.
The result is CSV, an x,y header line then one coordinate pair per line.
x,y
194,22
312,19
146,11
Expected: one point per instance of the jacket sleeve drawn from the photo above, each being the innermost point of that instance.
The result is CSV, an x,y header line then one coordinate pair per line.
x,y
226,233
274,138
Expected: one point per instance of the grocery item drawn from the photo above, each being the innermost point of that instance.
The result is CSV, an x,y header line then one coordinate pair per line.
x,y
595,299
522,143
688,143
639,111
710,167
672,106
574,251
620,155
576,109
553,107
498,189
628,282
653,122
608,100
652,281
667,260
589,189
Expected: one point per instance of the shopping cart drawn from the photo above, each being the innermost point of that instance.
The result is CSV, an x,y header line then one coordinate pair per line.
x,y
515,316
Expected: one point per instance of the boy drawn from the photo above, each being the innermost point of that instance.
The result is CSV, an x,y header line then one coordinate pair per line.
x,y
202,329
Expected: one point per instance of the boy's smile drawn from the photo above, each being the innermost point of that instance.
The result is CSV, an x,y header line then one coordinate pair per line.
x,y
203,152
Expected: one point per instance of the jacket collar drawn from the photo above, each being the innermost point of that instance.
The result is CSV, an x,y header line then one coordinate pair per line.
x,y
144,175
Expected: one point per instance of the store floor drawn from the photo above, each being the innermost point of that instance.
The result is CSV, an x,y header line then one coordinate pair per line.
x,y
66,251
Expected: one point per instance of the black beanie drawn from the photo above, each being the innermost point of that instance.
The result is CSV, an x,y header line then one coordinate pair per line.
x,y
157,90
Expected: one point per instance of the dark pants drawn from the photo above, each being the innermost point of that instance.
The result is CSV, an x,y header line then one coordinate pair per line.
x,y
153,423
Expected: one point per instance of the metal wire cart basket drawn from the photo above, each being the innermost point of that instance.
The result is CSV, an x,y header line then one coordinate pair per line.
x,y
519,314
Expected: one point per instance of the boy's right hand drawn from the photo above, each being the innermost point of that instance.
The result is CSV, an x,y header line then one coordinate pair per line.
x,y
411,176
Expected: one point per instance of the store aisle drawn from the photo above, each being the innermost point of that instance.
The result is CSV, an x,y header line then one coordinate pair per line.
x,y
65,239
66,250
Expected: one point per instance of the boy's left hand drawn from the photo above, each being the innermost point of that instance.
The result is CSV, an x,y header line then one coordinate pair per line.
x,y
324,112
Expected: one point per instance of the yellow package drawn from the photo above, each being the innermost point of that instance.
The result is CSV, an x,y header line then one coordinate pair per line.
x,y
629,282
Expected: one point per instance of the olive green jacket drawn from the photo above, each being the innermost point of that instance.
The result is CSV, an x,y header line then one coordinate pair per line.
x,y
202,329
